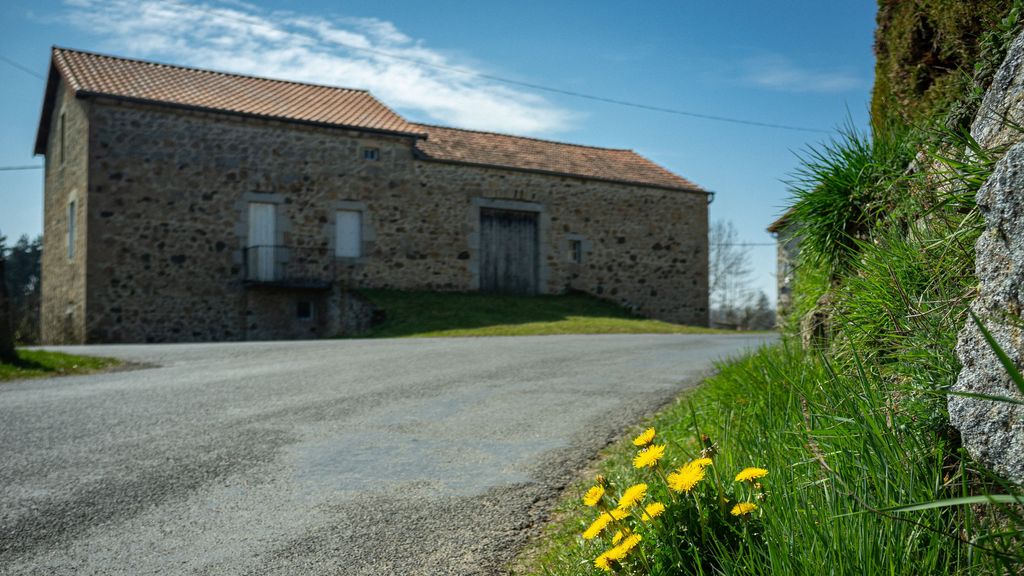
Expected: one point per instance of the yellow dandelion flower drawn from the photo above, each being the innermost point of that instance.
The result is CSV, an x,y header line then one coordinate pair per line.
x,y
631,496
645,438
597,526
619,513
685,478
702,462
604,562
593,496
608,560
743,508
649,456
617,538
653,510
750,474
628,544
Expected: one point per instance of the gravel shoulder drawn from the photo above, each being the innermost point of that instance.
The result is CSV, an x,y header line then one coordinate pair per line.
x,y
329,457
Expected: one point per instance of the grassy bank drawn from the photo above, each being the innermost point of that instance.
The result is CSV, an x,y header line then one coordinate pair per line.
x,y
42,363
862,472
433,314
840,459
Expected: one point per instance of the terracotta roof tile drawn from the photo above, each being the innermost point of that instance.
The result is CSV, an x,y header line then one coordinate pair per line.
x,y
97,74
520,153
147,81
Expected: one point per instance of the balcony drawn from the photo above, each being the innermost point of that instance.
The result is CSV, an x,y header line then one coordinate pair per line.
x,y
293,267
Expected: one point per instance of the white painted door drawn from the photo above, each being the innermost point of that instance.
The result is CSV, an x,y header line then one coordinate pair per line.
x,y
261,241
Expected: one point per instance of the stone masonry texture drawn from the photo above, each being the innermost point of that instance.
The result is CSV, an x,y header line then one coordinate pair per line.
x,y
993,431
63,287
163,197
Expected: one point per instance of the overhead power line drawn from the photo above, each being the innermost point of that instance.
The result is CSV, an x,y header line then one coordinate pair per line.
x,y
747,244
530,85
13,168
21,67
572,93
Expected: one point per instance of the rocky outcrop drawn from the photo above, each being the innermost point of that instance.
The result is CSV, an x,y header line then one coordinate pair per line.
x,y
1003,105
993,431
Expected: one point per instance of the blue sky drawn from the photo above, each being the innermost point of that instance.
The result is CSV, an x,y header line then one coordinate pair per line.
x,y
804,63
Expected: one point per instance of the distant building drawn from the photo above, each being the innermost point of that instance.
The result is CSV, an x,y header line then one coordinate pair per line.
x,y
787,249
190,205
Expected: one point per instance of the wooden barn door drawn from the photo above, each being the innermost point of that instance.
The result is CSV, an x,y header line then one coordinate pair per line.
x,y
509,255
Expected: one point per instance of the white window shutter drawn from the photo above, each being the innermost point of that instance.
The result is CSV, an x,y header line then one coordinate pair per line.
x,y
348,227
262,235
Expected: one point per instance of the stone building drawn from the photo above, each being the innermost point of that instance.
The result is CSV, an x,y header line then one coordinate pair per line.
x,y
787,248
191,205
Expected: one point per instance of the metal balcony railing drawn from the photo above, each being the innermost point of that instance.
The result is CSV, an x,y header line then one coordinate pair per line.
x,y
288,266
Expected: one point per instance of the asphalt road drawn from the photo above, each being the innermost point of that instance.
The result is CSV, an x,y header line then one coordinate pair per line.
x,y
398,457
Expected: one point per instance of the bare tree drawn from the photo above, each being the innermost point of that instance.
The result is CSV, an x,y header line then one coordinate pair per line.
x,y
728,274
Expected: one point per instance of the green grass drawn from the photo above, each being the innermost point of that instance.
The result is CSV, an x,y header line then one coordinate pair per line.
x,y
433,314
41,363
839,455
866,475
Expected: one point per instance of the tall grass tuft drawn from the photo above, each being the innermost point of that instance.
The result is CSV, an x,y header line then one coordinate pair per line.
x,y
843,187
845,466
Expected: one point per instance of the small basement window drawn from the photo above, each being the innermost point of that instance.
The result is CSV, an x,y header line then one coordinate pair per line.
x,y
371,154
576,251
71,229
304,310
62,133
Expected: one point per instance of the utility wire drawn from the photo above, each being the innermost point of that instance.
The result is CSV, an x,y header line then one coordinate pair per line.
x,y
13,168
530,85
748,244
24,69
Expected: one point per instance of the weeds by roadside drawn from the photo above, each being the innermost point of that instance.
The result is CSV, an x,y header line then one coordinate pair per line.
x,y
845,467
41,363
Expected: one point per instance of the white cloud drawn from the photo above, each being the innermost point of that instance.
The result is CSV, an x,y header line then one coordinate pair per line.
x,y
348,52
780,73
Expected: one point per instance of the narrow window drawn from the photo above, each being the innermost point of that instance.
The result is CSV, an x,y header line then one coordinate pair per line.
x,y
371,153
304,310
348,226
71,229
261,254
576,251
62,134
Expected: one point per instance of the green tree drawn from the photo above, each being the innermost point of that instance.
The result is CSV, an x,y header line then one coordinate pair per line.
x,y
24,268
7,353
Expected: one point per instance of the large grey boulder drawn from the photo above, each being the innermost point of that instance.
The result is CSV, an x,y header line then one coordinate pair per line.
x,y
993,432
1003,104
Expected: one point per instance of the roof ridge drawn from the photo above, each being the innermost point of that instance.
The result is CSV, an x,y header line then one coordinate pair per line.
x,y
547,140
210,70
65,68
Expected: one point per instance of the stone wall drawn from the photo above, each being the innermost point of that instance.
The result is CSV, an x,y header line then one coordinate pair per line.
x,y
993,431
63,284
787,250
169,191
644,248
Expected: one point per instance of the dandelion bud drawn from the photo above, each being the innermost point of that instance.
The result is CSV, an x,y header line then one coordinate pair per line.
x,y
710,449
601,480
